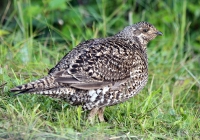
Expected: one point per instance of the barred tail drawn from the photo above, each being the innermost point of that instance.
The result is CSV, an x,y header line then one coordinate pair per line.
x,y
42,84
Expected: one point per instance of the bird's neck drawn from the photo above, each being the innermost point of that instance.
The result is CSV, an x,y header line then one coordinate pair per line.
x,y
142,46
143,41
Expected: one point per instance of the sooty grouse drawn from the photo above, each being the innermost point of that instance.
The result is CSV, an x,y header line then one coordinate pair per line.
x,y
99,72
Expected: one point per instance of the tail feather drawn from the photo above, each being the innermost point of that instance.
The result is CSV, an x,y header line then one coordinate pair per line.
x,y
42,84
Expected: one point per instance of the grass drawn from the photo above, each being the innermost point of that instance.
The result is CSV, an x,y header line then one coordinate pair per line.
x,y
167,108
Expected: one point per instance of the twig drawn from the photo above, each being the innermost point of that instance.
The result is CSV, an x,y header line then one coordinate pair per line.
x,y
5,12
1,86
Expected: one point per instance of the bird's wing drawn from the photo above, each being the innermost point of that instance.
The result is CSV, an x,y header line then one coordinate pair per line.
x,y
96,63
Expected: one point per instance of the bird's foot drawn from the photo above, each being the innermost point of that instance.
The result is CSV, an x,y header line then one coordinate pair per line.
x,y
91,115
93,112
100,114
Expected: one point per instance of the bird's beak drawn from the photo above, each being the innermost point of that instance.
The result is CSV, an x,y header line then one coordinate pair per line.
x,y
159,33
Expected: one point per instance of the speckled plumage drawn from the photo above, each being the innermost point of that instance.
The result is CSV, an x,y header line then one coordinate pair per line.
x,y
99,72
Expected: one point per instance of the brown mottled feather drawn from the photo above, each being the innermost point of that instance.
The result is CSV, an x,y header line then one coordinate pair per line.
x,y
99,72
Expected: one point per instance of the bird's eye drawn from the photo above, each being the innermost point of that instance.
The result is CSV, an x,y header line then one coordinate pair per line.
x,y
145,30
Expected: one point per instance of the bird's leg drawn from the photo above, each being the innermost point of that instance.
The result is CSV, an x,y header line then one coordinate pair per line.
x,y
91,115
100,114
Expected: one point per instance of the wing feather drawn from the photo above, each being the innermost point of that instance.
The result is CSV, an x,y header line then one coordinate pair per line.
x,y
96,63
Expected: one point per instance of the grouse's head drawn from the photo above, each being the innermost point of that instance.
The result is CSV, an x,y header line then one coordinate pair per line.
x,y
144,31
